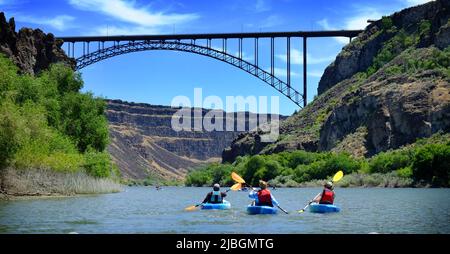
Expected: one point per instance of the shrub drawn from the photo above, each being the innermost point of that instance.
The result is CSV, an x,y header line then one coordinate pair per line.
x,y
386,162
431,163
405,172
424,28
82,118
386,23
198,178
11,132
97,164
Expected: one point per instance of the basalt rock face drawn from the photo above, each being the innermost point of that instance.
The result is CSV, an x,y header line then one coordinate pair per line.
x,y
368,104
144,144
395,111
31,50
356,57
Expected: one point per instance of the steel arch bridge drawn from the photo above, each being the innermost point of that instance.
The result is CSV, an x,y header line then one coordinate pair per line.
x,y
188,43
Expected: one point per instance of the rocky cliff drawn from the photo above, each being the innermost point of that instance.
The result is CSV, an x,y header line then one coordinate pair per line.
x,y
388,87
144,144
358,56
31,50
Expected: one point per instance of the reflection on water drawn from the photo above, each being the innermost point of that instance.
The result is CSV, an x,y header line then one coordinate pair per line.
x,y
146,210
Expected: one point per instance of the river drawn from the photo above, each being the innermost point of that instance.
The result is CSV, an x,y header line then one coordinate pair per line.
x,y
147,210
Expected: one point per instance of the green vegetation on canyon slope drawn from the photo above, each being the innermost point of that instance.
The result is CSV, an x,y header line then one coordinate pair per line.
x,y
425,163
47,125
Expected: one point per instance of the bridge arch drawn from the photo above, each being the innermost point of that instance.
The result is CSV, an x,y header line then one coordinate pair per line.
x,y
120,49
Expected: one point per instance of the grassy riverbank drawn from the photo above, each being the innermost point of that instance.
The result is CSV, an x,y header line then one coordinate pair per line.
x,y
38,182
52,136
424,163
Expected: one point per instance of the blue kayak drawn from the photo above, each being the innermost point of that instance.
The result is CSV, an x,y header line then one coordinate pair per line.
x,y
322,208
261,210
221,206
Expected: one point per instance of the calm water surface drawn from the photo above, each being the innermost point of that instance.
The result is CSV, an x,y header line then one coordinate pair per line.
x,y
146,210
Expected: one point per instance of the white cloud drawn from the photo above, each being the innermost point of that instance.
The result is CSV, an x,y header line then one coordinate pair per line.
x,y
271,21
245,57
261,6
410,3
61,22
130,13
315,73
297,58
362,14
282,72
115,30
356,22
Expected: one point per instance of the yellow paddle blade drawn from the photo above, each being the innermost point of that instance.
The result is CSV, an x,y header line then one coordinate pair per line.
x,y
237,178
301,211
236,187
338,176
190,208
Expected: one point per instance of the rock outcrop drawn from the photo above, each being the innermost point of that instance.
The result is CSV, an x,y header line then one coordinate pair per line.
x,y
144,144
358,56
31,50
388,87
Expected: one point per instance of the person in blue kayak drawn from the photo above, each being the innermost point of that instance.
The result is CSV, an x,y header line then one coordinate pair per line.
x,y
215,196
326,196
263,197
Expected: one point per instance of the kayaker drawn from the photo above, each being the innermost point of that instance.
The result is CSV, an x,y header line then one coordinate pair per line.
x,y
326,196
263,197
215,196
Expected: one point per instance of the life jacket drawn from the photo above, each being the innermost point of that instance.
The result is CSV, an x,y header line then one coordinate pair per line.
x,y
216,197
327,197
264,198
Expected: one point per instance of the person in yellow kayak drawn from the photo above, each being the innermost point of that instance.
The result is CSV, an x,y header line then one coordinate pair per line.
x,y
215,196
326,196
263,197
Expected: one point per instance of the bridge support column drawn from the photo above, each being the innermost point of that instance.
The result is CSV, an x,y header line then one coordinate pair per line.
x,y
305,76
272,60
289,65
240,52
256,54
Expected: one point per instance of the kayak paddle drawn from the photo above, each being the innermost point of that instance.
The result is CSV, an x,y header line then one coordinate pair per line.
x,y
235,187
338,176
282,209
240,180
193,207
305,207
237,178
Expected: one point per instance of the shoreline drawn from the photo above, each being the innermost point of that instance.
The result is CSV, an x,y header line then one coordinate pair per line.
x,y
20,197
15,197
43,183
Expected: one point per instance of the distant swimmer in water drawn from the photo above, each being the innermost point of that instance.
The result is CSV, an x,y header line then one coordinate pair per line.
x,y
158,187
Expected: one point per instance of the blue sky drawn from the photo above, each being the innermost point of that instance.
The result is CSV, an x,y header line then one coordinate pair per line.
x,y
156,77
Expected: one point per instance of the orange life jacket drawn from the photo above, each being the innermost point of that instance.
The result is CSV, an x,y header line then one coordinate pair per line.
x,y
264,198
327,197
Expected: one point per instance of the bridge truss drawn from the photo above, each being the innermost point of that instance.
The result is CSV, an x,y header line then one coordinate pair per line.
x,y
189,43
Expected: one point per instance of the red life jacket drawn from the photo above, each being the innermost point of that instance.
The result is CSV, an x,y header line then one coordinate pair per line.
x,y
327,197
264,198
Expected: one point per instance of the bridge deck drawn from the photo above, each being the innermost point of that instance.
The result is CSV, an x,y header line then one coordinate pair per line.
x,y
306,34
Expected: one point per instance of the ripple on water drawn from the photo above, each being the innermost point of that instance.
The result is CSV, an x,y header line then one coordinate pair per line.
x,y
82,222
